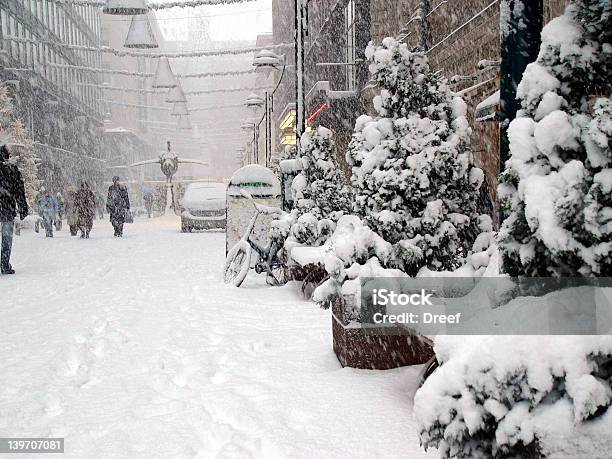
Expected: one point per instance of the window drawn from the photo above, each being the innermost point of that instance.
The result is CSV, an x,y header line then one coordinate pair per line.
x,y
351,38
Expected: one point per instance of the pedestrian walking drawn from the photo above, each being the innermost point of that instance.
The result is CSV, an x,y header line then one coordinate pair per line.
x,y
85,203
37,198
118,205
148,201
12,196
100,204
47,209
60,210
70,210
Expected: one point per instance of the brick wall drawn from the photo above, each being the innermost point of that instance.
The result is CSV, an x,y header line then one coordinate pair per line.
x,y
463,32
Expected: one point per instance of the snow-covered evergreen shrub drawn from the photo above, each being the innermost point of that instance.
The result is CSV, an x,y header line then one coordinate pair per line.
x,y
412,167
354,251
320,191
557,186
321,187
492,396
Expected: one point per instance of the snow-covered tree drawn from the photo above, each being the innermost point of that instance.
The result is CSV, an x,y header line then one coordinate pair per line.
x,y
557,186
26,160
22,150
412,167
6,105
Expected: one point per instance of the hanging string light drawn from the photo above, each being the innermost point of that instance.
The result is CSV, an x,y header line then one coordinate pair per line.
x,y
184,123
125,7
179,109
164,78
176,94
140,35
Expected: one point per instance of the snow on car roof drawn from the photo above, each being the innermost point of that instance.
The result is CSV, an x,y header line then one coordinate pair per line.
x,y
198,192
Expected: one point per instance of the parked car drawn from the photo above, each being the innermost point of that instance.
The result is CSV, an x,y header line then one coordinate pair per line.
x,y
203,207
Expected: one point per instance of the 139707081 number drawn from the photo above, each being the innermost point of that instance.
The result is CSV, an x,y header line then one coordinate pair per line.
x,y
31,445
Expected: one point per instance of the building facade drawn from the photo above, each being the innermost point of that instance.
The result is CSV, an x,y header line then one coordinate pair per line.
x,y
460,37
42,45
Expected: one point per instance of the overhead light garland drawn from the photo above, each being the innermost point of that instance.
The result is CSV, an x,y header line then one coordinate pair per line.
x,y
122,89
193,3
151,75
216,74
214,91
128,53
168,109
101,70
176,92
202,53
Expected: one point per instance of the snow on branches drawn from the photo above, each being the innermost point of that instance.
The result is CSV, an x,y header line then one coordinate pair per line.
x,y
557,186
320,190
14,134
412,165
493,396
326,194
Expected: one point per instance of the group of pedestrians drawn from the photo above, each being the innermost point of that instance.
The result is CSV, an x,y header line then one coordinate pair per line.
x,y
77,206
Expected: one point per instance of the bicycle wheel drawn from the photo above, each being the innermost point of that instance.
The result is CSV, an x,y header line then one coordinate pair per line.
x,y
280,273
237,264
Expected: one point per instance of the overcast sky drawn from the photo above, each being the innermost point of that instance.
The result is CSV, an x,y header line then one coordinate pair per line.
x,y
241,21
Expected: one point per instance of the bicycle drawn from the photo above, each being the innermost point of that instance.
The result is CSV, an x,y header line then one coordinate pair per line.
x,y
272,259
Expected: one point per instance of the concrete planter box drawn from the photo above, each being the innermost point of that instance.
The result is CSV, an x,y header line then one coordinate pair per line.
x,y
376,349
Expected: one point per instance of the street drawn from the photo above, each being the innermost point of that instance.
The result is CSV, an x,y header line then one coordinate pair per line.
x,y
134,347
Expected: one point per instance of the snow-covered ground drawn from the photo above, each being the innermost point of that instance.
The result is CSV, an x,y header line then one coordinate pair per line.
x,y
134,347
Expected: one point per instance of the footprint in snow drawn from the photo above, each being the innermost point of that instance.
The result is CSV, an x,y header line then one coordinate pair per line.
x,y
52,405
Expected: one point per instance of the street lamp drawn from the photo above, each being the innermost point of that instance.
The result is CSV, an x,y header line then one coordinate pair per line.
x,y
268,62
254,101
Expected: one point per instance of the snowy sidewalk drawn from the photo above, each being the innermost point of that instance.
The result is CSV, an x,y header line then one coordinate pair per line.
x,y
134,347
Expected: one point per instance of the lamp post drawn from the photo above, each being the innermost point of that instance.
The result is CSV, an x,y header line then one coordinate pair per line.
x,y
247,126
301,28
268,62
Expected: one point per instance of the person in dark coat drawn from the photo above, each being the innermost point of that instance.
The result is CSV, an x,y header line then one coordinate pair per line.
x,y
72,217
117,205
85,204
12,196
148,202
